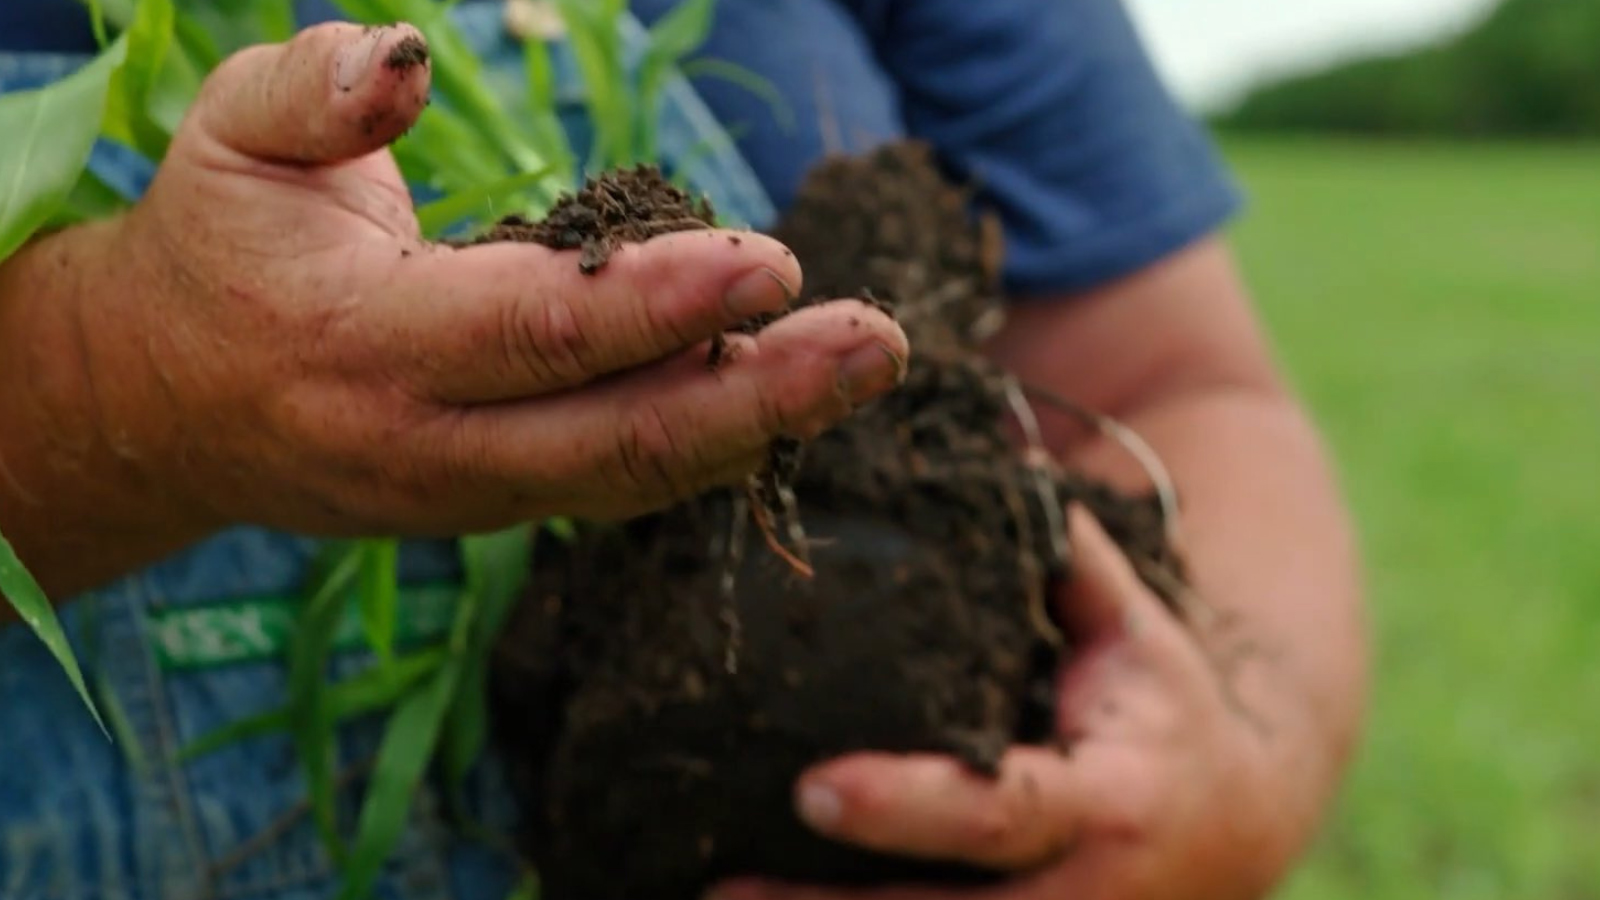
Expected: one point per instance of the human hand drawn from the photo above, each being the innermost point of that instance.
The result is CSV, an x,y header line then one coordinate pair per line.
x,y
1165,792
272,343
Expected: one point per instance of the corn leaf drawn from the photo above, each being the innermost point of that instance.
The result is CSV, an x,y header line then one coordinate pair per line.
x,y
235,24
496,571
33,606
592,32
562,528
49,133
457,75
479,203
308,701
408,744
97,21
733,73
380,595
89,200
549,136
127,116
678,33
444,152
371,689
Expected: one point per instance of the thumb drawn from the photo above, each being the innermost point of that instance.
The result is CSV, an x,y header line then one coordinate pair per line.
x,y
334,93
1104,590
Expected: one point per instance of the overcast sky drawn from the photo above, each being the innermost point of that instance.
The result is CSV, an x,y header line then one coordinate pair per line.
x,y
1210,49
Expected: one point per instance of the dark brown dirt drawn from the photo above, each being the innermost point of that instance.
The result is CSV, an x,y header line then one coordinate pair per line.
x,y
407,54
629,206
668,678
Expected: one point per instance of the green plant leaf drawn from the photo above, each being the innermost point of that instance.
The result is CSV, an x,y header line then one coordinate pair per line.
x,y
458,76
549,135
733,73
308,700
592,32
380,595
127,116
49,134
408,744
97,21
477,203
90,199
677,34
497,569
30,602
237,24
562,528
444,152
371,689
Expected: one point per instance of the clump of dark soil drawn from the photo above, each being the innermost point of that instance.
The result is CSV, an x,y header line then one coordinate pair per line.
x,y
629,206
667,679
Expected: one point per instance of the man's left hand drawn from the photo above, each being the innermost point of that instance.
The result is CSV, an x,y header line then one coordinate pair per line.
x,y
1165,791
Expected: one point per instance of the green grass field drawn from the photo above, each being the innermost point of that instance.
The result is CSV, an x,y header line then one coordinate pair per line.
x,y
1440,309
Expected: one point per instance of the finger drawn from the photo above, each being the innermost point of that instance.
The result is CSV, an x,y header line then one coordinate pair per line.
x,y
639,441
510,321
1104,590
335,92
935,807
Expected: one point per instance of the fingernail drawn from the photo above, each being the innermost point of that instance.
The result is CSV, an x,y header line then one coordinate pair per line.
x,y
819,807
870,371
354,61
757,292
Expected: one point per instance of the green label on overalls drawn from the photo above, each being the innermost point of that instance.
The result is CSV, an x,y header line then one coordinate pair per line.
x,y
252,629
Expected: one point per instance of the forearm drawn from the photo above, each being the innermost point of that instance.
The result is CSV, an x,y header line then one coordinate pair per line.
x,y
1271,552
78,510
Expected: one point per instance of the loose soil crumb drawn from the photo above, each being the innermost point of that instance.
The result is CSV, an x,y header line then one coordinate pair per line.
x,y
667,679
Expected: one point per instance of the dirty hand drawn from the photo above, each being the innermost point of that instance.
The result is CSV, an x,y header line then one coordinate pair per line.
x,y
1166,793
270,342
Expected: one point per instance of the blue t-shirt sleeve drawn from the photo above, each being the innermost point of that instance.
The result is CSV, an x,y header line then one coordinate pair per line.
x,y
1054,108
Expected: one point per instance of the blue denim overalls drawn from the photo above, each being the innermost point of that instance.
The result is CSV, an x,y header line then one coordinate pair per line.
x,y
82,818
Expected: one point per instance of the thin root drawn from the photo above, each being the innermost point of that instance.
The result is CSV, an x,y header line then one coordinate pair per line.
x,y
1038,613
729,614
1053,517
770,535
1137,447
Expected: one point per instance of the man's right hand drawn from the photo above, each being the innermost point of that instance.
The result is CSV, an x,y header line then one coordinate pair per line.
x,y
265,339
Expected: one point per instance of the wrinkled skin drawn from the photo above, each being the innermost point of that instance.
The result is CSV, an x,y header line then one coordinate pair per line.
x,y
265,339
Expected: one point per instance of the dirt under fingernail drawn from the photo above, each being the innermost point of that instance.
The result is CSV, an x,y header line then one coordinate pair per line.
x,y
408,54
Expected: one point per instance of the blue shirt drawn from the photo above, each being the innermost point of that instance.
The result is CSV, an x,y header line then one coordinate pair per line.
x,y
1052,107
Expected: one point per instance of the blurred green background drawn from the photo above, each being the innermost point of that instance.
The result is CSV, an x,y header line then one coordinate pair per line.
x,y
1424,238
1439,307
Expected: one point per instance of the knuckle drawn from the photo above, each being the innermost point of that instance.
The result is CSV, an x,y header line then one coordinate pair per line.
x,y
548,342
649,453
664,330
774,417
